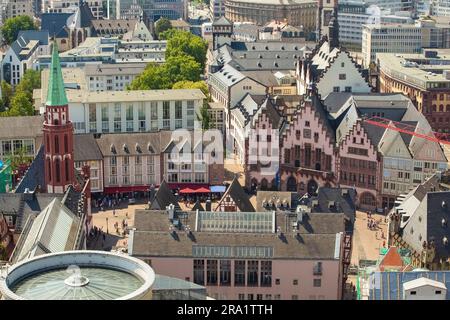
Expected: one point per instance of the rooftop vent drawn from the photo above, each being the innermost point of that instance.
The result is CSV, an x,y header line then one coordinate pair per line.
x,y
171,211
344,192
331,204
444,204
445,241
138,148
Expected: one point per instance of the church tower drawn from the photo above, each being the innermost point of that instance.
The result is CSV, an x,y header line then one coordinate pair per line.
x,y
58,132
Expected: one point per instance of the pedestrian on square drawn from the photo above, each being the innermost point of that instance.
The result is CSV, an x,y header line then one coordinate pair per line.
x,y
114,212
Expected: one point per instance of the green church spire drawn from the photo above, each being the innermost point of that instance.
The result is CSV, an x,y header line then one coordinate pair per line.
x,y
56,95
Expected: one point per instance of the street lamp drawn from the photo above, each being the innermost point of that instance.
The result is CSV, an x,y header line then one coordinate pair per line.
x,y
107,230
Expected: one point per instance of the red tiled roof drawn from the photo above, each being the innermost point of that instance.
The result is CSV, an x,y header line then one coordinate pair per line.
x,y
391,259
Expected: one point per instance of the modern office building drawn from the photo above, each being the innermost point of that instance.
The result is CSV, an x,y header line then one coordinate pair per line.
x,y
424,78
427,32
294,12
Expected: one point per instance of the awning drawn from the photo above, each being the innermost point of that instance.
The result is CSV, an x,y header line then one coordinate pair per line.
x,y
220,189
186,190
111,190
194,190
192,186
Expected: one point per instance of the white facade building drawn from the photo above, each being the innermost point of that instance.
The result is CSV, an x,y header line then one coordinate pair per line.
x,y
424,289
111,77
440,8
352,16
96,6
392,38
22,54
217,9
129,111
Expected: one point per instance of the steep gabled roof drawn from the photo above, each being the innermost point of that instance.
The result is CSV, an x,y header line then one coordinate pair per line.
x,y
222,21
56,94
238,195
392,259
55,229
56,24
163,198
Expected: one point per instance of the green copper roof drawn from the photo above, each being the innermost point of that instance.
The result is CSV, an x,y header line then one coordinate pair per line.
x,y
56,95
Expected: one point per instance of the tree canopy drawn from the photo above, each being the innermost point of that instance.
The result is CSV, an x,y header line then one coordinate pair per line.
x,y
164,76
185,61
21,102
184,42
162,25
186,84
12,26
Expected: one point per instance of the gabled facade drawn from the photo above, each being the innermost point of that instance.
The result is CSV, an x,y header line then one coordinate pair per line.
x,y
22,54
359,166
331,70
235,199
308,158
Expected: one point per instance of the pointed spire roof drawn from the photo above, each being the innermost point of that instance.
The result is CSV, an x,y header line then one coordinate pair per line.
x,y
56,94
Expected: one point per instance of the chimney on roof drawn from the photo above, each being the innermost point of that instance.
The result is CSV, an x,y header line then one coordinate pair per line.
x,y
208,205
171,211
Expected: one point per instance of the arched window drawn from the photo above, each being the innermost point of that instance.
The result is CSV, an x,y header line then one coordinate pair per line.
x,y
441,108
66,144
67,168
48,143
58,170
56,144
433,108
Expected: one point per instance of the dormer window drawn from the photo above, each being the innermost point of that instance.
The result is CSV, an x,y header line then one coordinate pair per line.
x,y
125,148
138,148
112,148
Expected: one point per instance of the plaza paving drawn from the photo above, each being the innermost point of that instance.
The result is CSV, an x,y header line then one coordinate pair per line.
x,y
366,242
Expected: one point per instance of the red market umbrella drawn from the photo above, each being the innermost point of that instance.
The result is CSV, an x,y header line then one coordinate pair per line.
x,y
202,190
187,190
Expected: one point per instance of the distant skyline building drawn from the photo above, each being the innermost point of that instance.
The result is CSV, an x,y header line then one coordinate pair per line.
x,y
151,9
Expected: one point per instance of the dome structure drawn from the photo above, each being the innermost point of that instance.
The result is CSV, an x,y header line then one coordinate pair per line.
x,y
78,275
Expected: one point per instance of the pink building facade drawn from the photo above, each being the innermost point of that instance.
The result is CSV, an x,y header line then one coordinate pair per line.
x,y
359,166
290,279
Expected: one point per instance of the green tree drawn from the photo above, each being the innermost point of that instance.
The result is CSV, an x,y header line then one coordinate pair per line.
x,y
7,93
177,68
185,84
19,158
182,67
31,80
163,24
12,26
183,42
152,78
204,116
21,105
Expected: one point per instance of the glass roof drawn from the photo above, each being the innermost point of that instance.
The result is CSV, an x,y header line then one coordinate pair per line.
x,y
254,222
94,283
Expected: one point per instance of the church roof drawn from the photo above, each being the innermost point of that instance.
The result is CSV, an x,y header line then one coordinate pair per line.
x,y
56,95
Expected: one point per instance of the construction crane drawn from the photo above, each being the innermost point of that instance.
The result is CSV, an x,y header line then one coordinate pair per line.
x,y
441,138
